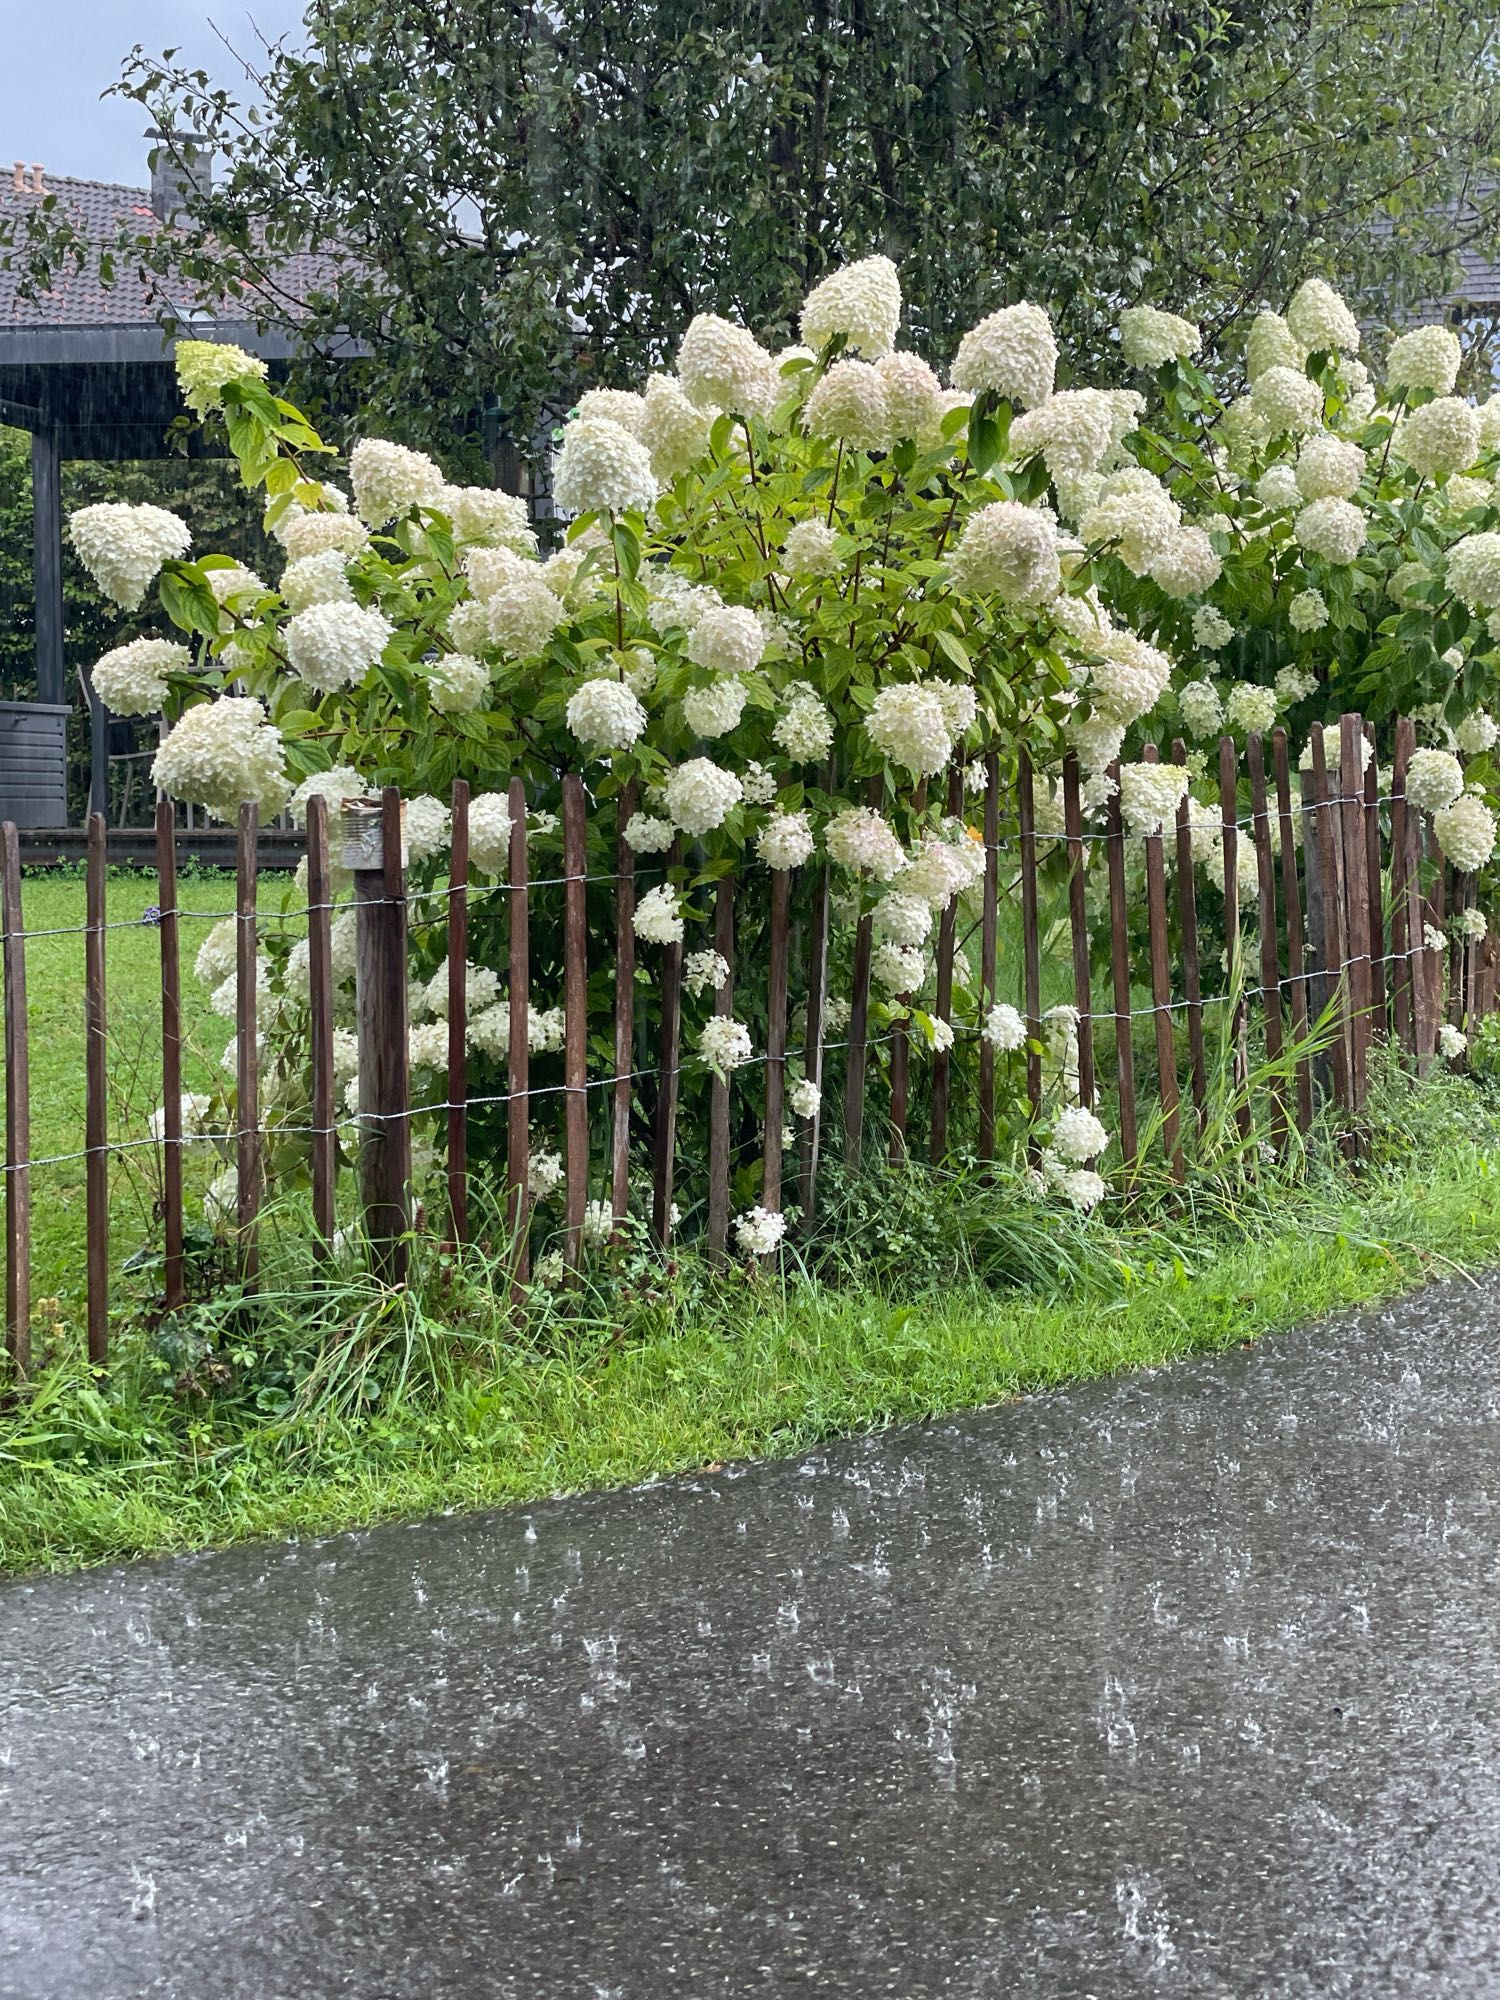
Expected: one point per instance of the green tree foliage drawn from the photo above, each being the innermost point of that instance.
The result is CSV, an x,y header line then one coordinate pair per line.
x,y
523,200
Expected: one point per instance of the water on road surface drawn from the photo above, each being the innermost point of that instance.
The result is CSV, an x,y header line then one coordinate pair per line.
x,y
1184,1684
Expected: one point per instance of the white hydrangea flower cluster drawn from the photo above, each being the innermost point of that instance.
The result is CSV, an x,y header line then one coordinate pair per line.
x,y
1308,611
1328,468
1477,733
700,795
1294,684
715,709
1004,1029
457,683
810,548
1426,357
205,369
602,468
849,404
1471,925
604,715
859,838
1434,779
131,679
1211,629
860,304
1440,437
1452,1042
1466,832
907,724
704,972
307,534
1332,529
1319,320
1250,708
724,1043
322,578
1150,795
898,968
1010,551
1202,711
804,1097
1473,571
389,480
334,645
672,428
1077,1135
786,840
721,367
658,916
486,514
123,546
804,729
481,989
1012,353
647,835
221,755
759,1231
1149,338
1286,402
727,639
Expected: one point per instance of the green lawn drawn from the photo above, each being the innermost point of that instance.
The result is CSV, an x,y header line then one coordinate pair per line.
x,y
54,996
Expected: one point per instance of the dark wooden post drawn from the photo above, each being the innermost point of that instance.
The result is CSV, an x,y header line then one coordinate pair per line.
x,y
1160,949
781,902
988,928
518,1066
1296,965
1357,900
1119,966
575,1014
1187,925
247,1046
1270,961
380,991
1403,944
1030,937
96,1117
458,1018
942,1060
718,1100
1078,926
47,565
17,1114
664,1137
171,1052
320,1010
619,1182
812,1051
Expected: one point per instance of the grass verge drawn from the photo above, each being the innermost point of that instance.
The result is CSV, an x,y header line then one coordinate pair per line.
x,y
416,1409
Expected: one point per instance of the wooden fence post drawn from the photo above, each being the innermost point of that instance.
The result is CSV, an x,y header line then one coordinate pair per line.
x,y
1379,1026
1078,926
96,1079
1351,821
1161,992
812,1052
988,928
171,1054
781,902
859,1019
320,1014
1119,963
1325,914
1292,900
458,1018
247,1046
1403,1010
1187,926
942,1059
664,1137
718,1099
17,1114
1233,940
385,1127
518,1054
575,1013
1031,963
1270,960
619,1180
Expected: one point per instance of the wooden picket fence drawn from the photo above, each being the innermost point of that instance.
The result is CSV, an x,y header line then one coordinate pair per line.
x,y
1339,936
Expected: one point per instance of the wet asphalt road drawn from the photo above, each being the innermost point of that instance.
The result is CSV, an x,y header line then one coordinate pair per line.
x,y
1185,1684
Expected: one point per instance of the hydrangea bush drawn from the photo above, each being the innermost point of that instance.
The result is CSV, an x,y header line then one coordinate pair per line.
x,y
801,597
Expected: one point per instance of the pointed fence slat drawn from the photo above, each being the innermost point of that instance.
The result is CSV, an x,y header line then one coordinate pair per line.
x,y
96,1086
1379,1024
1357,897
174,1289
776,988
942,1059
1078,927
858,1053
384,1101
664,1138
320,1014
1402,871
1119,966
1270,961
575,1013
1325,906
619,1172
246,1046
518,1054
812,1049
988,929
1187,930
1030,935
17,1113
1161,993
1292,908
718,1102
1233,937
458,1018
900,1080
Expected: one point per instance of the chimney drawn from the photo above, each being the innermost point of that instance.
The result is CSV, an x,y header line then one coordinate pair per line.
x,y
18,177
182,166
36,180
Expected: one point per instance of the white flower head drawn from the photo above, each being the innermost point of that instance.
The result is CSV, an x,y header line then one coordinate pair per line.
x,y
862,303
602,468
849,404
759,1231
1010,551
786,840
1012,353
1149,338
1332,529
658,916
1319,320
906,723
724,1043
123,546
604,715
722,367
130,679
699,796
389,480
222,754
1427,357
727,639
333,645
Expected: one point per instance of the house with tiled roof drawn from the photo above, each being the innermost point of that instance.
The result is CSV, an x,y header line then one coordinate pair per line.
x,y
86,368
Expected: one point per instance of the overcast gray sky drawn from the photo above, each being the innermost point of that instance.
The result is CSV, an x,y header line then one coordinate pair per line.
x,y
56,56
